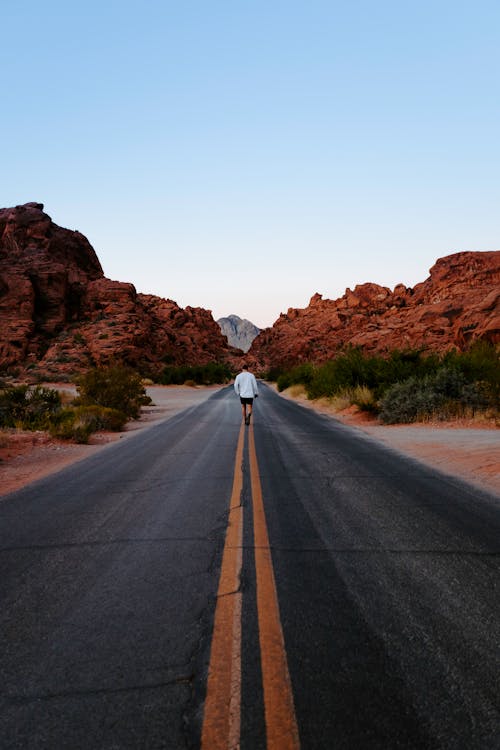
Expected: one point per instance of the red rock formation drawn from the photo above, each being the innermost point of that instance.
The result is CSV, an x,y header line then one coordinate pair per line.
x,y
458,303
59,314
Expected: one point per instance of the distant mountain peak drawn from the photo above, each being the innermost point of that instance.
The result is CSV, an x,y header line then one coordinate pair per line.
x,y
239,332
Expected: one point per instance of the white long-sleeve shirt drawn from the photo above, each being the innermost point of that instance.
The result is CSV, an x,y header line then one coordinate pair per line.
x,y
245,385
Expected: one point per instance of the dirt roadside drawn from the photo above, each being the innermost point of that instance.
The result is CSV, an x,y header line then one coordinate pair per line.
x,y
465,450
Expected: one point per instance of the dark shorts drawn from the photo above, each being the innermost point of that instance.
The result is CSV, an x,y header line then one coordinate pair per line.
x,y
246,400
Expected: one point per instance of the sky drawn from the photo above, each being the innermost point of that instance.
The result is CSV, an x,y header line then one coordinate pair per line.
x,y
242,156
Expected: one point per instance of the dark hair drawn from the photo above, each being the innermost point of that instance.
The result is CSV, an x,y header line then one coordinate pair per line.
x,y
244,367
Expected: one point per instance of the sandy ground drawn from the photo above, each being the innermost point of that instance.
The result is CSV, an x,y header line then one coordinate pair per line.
x,y
26,456
466,449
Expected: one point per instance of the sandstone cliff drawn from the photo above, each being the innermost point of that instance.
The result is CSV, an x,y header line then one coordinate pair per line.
x,y
458,303
239,332
59,314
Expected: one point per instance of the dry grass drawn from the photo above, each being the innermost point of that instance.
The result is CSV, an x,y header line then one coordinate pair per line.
x,y
296,391
341,401
360,395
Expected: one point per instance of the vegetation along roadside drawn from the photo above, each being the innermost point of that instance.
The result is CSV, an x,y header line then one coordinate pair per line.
x,y
107,398
406,386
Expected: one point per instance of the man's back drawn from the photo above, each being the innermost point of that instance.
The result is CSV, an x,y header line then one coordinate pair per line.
x,y
245,384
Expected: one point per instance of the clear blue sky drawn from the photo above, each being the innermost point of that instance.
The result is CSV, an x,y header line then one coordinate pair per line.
x,y
243,155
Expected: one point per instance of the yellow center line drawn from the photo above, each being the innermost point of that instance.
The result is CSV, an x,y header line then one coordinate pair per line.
x,y
281,724
221,721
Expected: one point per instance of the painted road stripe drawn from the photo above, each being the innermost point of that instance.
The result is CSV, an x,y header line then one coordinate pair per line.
x,y
221,721
281,724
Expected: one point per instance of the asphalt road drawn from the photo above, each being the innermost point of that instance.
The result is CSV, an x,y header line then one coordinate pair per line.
x,y
386,576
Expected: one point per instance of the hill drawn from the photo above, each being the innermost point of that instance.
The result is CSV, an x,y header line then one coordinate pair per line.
x,y
59,314
458,303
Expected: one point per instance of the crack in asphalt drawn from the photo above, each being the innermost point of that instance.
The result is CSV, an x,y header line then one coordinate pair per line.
x,y
153,485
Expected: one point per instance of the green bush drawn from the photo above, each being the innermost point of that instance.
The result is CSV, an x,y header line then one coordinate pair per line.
x,y
209,374
300,375
80,422
273,373
104,418
70,426
444,395
38,408
480,364
115,387
28,407
352,369
407,384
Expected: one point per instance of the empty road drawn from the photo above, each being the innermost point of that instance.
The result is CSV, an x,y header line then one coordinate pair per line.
x,y
289,584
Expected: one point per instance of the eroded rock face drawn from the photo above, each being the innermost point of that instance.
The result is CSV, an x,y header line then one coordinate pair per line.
x,y
59,314
458,303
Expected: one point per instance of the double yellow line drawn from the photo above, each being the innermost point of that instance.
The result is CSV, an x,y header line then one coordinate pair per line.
x,y
222,716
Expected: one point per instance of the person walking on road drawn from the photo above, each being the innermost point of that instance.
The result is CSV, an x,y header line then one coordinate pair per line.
x,y
245,386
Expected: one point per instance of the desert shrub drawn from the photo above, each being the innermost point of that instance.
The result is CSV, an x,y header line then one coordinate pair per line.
x,y
364,399
70,426
353,369
322,382
209,374
361,396
347,371
410,383
116,387
479,364
443,395
104,418
78,423
401,365
28,407
273,373
300,375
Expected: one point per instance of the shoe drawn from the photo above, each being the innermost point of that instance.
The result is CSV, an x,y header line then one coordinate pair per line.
x,y
247,419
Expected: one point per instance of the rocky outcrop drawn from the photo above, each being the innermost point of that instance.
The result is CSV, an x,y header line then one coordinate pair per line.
x,y
239,332
59,314
458,303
